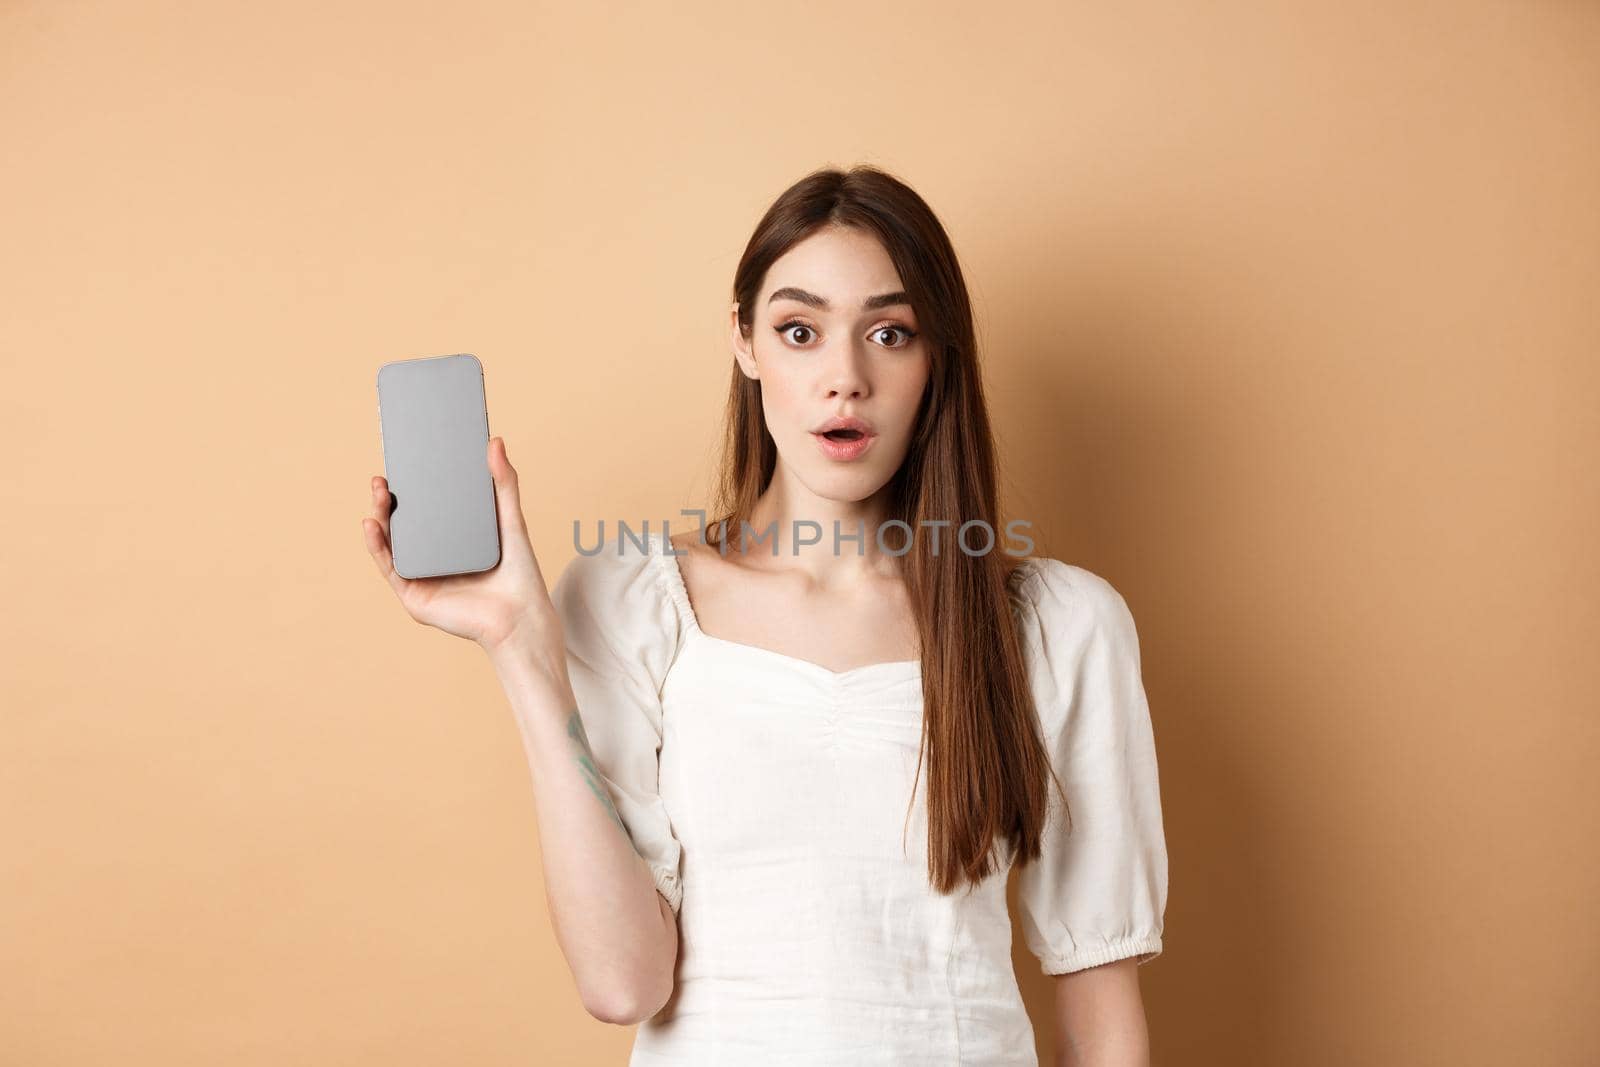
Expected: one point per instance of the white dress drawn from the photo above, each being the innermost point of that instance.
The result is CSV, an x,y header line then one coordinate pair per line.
x,y
769,796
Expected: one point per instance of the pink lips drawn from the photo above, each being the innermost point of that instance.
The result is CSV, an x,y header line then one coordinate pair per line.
x,y
844,448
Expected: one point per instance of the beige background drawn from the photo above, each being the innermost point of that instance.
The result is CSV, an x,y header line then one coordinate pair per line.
x,y
1290,327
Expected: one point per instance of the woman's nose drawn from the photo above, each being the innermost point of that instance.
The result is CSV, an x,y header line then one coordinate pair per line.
x,y
846,373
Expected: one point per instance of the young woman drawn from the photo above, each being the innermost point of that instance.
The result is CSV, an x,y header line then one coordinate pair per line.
x,y
781,778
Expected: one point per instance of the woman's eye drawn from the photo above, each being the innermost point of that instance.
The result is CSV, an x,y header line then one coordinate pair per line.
x,y
807,332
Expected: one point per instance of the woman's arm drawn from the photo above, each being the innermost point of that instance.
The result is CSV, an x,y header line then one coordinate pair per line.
x,y
618,934
1100,1018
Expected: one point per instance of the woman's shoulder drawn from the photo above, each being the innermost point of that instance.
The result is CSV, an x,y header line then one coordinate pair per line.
x,y
1066,608
1070,618
1056,590
618,582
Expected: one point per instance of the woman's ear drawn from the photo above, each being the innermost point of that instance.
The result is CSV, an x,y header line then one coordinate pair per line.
x,y
743,351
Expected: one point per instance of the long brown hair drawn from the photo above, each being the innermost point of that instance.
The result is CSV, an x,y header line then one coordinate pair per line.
x,y
988,770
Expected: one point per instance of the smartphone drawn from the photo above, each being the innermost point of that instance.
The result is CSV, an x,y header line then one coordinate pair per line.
x,y
434,422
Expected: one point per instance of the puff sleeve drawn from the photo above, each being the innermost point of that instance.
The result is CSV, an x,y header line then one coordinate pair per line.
x,y
1098,891
622,634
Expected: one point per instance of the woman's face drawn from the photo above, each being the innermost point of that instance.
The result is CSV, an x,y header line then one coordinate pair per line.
x,y
832,336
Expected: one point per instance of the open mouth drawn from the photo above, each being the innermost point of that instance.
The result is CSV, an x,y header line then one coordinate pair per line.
x,y
843,435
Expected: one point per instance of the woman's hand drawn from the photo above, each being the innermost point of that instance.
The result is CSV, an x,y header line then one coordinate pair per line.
x,y
505,604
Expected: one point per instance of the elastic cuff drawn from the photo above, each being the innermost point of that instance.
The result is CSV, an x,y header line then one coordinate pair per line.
x,y
668,886
1145,948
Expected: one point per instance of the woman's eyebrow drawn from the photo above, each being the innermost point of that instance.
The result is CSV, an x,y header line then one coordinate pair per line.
x,y
882,300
